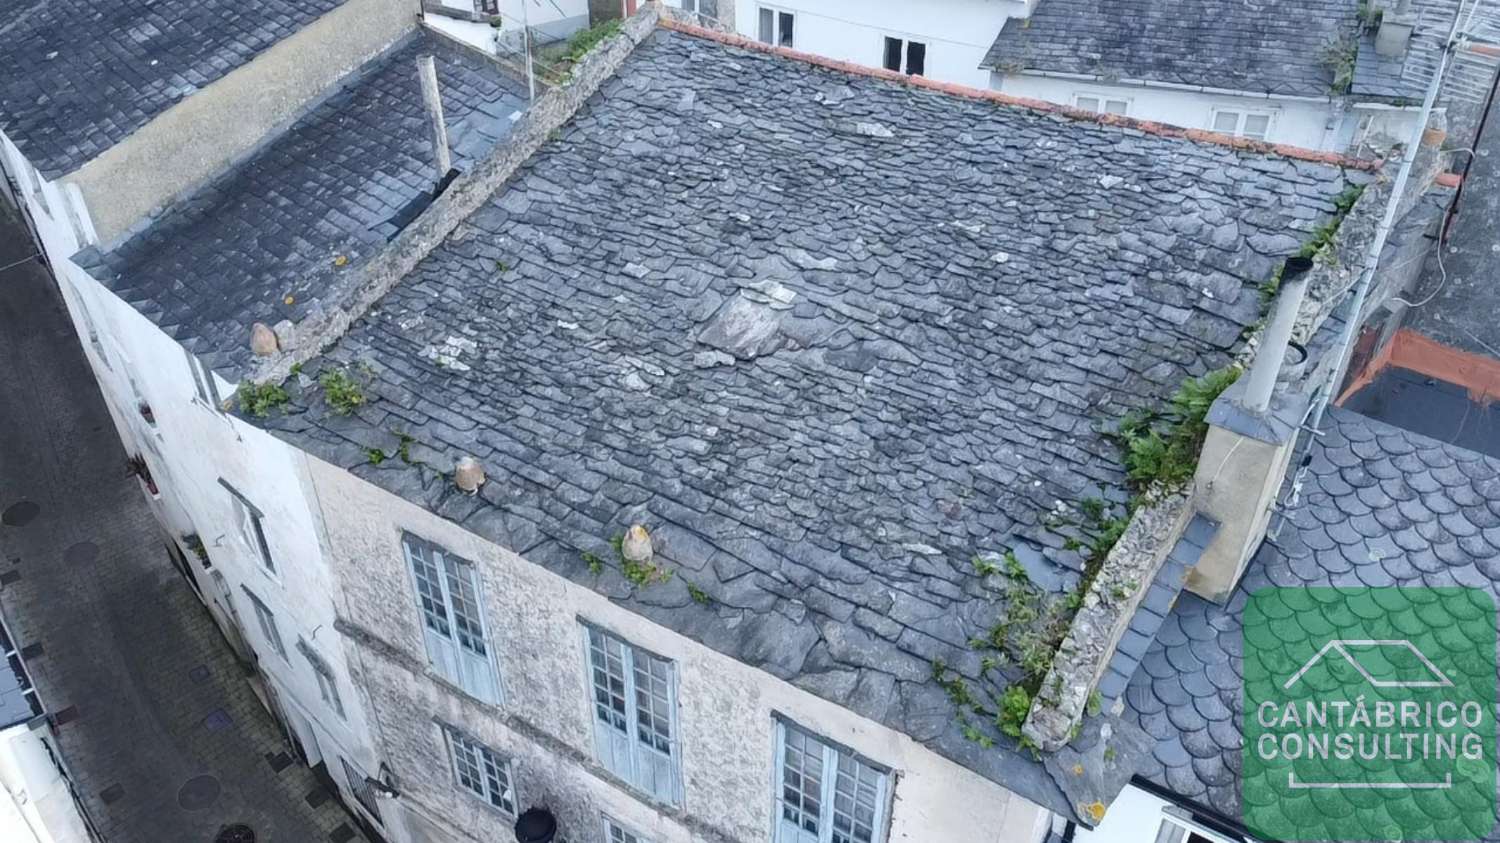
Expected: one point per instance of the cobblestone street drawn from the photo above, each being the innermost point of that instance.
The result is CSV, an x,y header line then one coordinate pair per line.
x,y
146,693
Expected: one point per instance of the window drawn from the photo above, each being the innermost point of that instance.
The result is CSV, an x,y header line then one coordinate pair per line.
x,y
88,321
362,790
910,55
36,187
776,27
203,380
1243,124
826,794
616,833
326,684
448,597
635,714
251,528
481,772
267,623
1101,104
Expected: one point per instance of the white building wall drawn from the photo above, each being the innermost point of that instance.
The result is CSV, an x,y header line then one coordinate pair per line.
x,y
190,447
957,32
1312,124
534,618
36,805
1137,816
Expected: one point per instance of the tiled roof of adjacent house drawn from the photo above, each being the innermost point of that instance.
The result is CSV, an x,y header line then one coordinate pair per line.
x,y
827,336
1276,46
313,202
1380,507
78,77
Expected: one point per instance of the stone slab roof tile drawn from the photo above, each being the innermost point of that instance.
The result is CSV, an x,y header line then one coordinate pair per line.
x,y
827,336
1201,663
77,78
1276,47
310,203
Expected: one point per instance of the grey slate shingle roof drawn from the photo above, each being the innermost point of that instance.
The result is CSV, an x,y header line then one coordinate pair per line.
x,y
78,77
334,184
1382,507
827,336
1276,46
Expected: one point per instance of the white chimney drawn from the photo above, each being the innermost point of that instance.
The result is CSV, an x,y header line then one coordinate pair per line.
x,y
1394,34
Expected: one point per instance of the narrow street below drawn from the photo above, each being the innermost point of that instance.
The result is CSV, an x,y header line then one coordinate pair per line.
x,y
165,739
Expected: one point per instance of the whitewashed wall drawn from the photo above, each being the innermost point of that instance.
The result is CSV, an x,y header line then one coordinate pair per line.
x,y
35,803
1313,124
534,617
957,32
1137,816
189,448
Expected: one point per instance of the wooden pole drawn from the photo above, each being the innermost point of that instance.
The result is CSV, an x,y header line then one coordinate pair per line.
x,y
427,72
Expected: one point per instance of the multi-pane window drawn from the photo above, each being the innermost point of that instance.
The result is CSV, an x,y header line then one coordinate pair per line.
x,y
362,790
327,686
267,622
777,27
1245,124
616,833
1101,104
252,530
481,772
453,629
907,56
826,794
635,714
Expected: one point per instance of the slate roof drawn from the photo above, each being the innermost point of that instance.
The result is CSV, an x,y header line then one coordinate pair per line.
x,y
1405,76
78,77
337,184
1275,46
826,335
1381,507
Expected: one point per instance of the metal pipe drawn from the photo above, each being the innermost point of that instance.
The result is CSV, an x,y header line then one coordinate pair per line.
x,y
427,73
1278,334
1388,219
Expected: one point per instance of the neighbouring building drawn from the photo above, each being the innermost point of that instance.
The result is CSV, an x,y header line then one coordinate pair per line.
x,y
497,26
656,454
37,804
170,192
1335,74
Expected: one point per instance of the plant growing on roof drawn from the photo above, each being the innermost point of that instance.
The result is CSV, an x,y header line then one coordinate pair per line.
x,y
1319,244
1161,448
1339,58
259,399
342,392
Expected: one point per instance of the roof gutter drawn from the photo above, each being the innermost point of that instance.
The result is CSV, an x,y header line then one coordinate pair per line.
x,y
1172,86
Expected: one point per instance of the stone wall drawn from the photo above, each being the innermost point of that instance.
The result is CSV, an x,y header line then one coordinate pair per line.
x,y
353,294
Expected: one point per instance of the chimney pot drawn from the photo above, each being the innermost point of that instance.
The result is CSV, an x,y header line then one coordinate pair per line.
x,y
468,475
636,546
1277,335
263,341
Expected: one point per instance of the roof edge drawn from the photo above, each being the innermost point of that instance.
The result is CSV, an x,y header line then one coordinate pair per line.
x,y
1202,136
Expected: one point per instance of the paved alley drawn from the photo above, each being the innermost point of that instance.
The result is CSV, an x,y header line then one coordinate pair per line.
x,y
164,737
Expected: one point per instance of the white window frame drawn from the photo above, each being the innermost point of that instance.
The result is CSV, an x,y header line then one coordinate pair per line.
x,y
328,686
267,620
251,522
203,381
631,754
488,768
1103,101
1189,827
1241,116
840,761
617,832
906,42
454,631
776,21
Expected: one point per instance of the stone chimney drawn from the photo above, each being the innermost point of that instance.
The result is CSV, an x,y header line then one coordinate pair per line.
x,y
1252,429
1396,26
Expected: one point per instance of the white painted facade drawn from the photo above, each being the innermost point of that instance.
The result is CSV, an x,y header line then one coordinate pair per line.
x,y
36,803
550,20
955,33
1138,816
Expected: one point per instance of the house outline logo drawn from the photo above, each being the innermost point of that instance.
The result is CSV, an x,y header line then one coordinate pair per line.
x,y
1342,645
